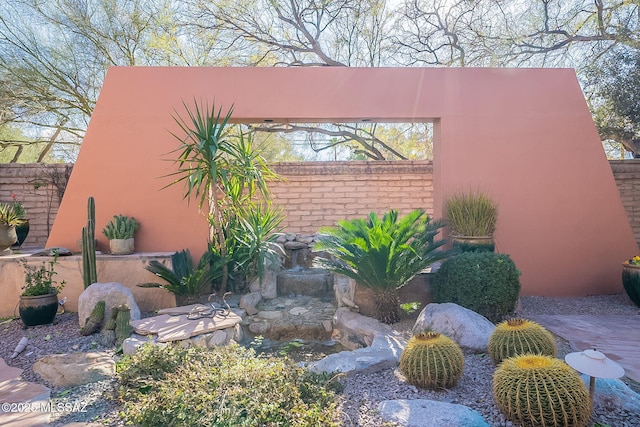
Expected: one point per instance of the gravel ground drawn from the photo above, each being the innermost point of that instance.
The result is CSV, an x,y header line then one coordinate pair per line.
x,y
362,393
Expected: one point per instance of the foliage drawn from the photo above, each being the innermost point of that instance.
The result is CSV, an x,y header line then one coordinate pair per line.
x,y
8,215
514,337
121,227
471,214
431,360
89,269
634,261
18,207
382,254
40,280
182,279
222,170
541,391
484,282
227,386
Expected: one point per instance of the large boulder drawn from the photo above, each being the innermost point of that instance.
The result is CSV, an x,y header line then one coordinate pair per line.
x,y
353,330
268,286
613,393
113,294
421,412
67,370
468,328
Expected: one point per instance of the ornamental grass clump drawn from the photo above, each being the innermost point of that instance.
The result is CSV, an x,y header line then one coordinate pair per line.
x,y
541,391
471,214
515,337
227,386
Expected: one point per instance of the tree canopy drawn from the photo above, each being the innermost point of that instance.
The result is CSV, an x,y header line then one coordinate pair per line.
x,y
54,54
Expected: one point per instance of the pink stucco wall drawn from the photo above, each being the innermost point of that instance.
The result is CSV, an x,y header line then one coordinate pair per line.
x,y
523,135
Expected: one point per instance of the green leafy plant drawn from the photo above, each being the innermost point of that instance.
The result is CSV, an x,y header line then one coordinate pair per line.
x,y
18,207
40,280
227,386
183,279
8,215
471,214
410,307
121,227
218,169
484,282
382,254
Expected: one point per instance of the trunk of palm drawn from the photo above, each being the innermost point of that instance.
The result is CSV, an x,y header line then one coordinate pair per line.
x,y
387,305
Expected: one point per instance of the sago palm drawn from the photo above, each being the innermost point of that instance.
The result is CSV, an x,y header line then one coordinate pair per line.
x,y
382,254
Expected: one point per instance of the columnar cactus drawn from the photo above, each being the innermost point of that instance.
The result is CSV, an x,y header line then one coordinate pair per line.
x,y
108,335
94,321
541,391
123,327
89,270
431,360
520,336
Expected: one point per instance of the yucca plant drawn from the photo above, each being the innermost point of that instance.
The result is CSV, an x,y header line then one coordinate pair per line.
x,y
382,254
8,215
184,280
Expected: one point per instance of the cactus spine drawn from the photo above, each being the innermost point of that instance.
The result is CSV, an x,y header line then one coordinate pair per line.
x,y
89,270
541,391
515,337
93,322
123,327
431,360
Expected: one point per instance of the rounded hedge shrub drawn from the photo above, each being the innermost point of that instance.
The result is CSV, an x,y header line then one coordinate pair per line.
x,y
541,391
484,282
431,360
514,337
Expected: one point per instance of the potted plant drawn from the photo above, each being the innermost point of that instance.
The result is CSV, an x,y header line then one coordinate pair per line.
x,y
8,222
382,254
472,218
39,299
631,279
22,227
120,231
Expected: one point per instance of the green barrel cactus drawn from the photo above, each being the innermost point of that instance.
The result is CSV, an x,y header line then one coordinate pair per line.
x,y
541,391
431,360
515,337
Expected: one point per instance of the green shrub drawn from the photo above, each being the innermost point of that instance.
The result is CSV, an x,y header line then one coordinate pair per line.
x,y
228,386
484,282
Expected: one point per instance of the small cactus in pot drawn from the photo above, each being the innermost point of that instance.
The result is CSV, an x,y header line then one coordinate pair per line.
x,y
431,360
120,231
515,337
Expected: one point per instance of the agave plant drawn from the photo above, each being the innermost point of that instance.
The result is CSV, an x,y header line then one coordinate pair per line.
x,y
184,280
382,254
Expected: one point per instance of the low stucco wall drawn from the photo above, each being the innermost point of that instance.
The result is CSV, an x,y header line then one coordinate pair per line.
x,y
128,270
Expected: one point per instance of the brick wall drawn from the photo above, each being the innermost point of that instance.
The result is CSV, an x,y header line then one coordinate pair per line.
x,y
627,175
313,194
39,187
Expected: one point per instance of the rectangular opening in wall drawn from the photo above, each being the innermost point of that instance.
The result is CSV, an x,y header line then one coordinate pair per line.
x,y
363,140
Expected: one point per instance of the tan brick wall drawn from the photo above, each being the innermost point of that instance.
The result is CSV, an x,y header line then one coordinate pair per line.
x,y
627,175
316,194
313,194
33,185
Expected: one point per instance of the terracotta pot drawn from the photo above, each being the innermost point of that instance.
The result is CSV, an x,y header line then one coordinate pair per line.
x,y
473,243
121,246
7,238
38,310
631,282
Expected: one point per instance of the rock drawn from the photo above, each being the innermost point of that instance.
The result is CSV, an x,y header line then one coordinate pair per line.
x,y
344,288
249,302
294,245
297,311
612,394
469,329
422,412
354,330
364,360
259,328
113,294
131,344
66,370
305,238
269,314
327,325
314,282
268,288
217,339
201,341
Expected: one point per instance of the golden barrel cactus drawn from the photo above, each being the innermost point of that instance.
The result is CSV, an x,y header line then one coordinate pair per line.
x,y
541,391
515,337
431,360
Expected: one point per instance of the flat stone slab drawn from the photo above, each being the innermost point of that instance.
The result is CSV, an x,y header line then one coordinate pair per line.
x,y
13,390
176,328
8,372
421,412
